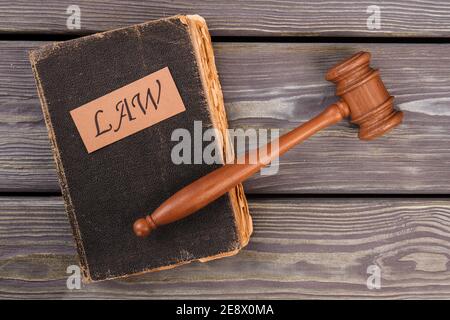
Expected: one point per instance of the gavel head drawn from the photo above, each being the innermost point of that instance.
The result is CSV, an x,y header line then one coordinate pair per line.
x,y
361,88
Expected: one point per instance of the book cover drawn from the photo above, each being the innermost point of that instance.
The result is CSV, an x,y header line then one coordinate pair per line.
x,y
111,102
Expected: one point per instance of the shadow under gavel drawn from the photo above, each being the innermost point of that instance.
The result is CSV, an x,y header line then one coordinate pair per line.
x,y
363,97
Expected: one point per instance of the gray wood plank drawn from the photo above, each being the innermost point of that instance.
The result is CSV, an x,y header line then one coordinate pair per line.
x,y
405,18
277,86
301,248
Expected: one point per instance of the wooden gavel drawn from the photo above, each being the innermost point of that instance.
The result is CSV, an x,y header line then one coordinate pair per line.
x,y
363,96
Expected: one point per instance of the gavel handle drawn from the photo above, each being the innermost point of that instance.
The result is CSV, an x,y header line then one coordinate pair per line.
x,y
213,185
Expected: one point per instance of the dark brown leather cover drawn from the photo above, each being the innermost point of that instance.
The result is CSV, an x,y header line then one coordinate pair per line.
x,y
107,190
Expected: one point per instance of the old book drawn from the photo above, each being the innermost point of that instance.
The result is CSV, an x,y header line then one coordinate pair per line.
x,y
111,102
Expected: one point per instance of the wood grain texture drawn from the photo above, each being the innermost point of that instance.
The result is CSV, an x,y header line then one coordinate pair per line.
x,y
277,86
403,18
301,248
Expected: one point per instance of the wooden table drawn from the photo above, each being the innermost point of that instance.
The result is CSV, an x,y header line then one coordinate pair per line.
x,y
337,205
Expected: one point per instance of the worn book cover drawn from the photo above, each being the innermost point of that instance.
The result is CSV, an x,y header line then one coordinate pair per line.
x,y
111,103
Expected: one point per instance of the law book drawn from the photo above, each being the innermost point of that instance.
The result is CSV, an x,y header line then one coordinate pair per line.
x,y
112,102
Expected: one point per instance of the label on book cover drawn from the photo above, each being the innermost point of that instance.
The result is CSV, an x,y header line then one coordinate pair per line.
x,y
127,110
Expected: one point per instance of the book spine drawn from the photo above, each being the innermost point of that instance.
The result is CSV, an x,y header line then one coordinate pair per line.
x,y
34,58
